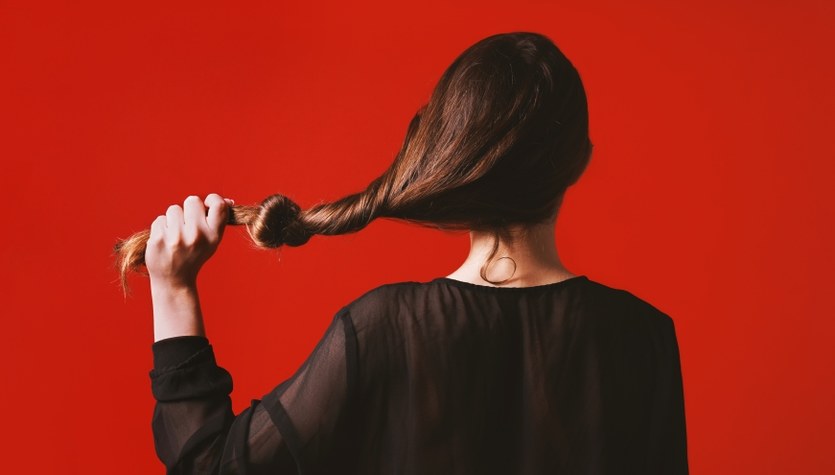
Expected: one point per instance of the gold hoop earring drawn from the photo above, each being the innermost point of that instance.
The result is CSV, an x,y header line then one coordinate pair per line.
x,y
501,281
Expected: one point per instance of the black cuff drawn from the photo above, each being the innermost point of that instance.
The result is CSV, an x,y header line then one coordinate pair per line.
x,y
170,352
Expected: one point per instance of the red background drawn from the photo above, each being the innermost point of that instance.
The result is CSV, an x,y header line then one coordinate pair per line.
x,y
706,195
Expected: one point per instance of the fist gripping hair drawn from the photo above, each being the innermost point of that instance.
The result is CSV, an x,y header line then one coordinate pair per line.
x,y
199,225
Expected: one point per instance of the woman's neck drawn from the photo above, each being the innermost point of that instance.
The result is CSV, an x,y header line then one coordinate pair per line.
x,y
532,249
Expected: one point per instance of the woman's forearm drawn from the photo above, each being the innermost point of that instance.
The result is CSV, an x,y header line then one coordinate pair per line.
x,y
176,310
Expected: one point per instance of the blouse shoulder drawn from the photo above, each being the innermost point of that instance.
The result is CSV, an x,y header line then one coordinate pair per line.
x,y
381,300
630,304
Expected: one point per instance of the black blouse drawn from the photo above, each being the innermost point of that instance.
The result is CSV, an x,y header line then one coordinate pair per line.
x,y
444,377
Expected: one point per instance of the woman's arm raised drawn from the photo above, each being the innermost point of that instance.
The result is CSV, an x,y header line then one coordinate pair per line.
x,y
296,425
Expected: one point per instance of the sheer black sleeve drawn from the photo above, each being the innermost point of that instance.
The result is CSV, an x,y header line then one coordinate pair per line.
x,y
668,431
289,430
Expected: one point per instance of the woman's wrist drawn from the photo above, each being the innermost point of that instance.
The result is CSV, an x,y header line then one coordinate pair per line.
x,y
176,308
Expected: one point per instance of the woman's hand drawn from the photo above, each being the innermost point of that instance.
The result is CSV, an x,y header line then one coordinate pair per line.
x,y
183,239
180,243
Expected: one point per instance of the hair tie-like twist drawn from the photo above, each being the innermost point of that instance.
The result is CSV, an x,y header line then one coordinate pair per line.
x,y
278,223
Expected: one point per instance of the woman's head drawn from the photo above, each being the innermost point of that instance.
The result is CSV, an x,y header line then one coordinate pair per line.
x,y
502,137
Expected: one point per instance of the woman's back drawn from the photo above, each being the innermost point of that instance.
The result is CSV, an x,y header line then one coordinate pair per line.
x,y
452,377
561,378
570,377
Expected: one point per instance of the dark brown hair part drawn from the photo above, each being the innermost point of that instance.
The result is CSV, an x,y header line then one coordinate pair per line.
x,y
503,135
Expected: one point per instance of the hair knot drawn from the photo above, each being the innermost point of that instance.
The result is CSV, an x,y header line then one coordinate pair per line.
x,y
278,223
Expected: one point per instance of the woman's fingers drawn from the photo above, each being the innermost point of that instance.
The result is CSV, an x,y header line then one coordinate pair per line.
x,y
158,229
218,214
193,220
174,222
194,214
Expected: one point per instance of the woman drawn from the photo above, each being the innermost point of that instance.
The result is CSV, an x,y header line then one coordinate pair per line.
x,y
507,365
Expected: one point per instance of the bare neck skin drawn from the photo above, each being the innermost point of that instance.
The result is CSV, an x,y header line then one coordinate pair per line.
x,y
533,248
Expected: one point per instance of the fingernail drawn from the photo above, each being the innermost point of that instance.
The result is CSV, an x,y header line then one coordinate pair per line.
x,y
229,200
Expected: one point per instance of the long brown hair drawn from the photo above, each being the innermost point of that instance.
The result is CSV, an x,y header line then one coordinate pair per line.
x,y
503,135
